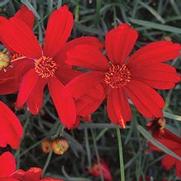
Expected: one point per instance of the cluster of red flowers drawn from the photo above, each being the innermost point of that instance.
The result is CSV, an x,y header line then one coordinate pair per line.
x,y
110,72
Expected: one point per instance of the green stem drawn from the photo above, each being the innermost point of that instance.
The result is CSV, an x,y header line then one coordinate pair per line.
x,y
17,153
59,3
97,154
88,148
121,161
47,163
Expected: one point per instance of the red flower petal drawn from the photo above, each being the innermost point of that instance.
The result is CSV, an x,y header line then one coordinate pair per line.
x,y
58,30
9,87
10,80
155,52
10,179
172,142
10,129
19,38
25,15
28,83
168,139
87,56
159,76
81,84
64,103
3,19
7,164
8,83
35,99
18,174
118,108
119,43
85,40
147,100
88,103
168,162
65,74
178,169
33,174
168,135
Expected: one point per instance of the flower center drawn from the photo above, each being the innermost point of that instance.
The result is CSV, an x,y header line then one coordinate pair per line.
x,y
45,67
4,60
117,76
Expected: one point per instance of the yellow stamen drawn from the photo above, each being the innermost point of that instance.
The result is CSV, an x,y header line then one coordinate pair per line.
x,y
4,60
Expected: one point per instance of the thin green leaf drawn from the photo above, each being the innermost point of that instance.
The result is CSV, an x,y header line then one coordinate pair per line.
x,y
121,161
59,3
172,116
87,146
73,178
3,3
97,125
153,12
157,26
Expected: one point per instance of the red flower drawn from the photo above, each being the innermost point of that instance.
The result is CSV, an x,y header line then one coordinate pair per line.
x,y
97,168
45,65
173,142
124,76
11,130
10,75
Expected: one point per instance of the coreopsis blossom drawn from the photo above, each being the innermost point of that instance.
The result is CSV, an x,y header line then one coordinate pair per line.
x,y
10,75
101,168
45,64
125,76
172,142
11,130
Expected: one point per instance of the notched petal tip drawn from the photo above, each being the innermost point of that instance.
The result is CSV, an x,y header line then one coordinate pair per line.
x,y
58,32
119,42
26,15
